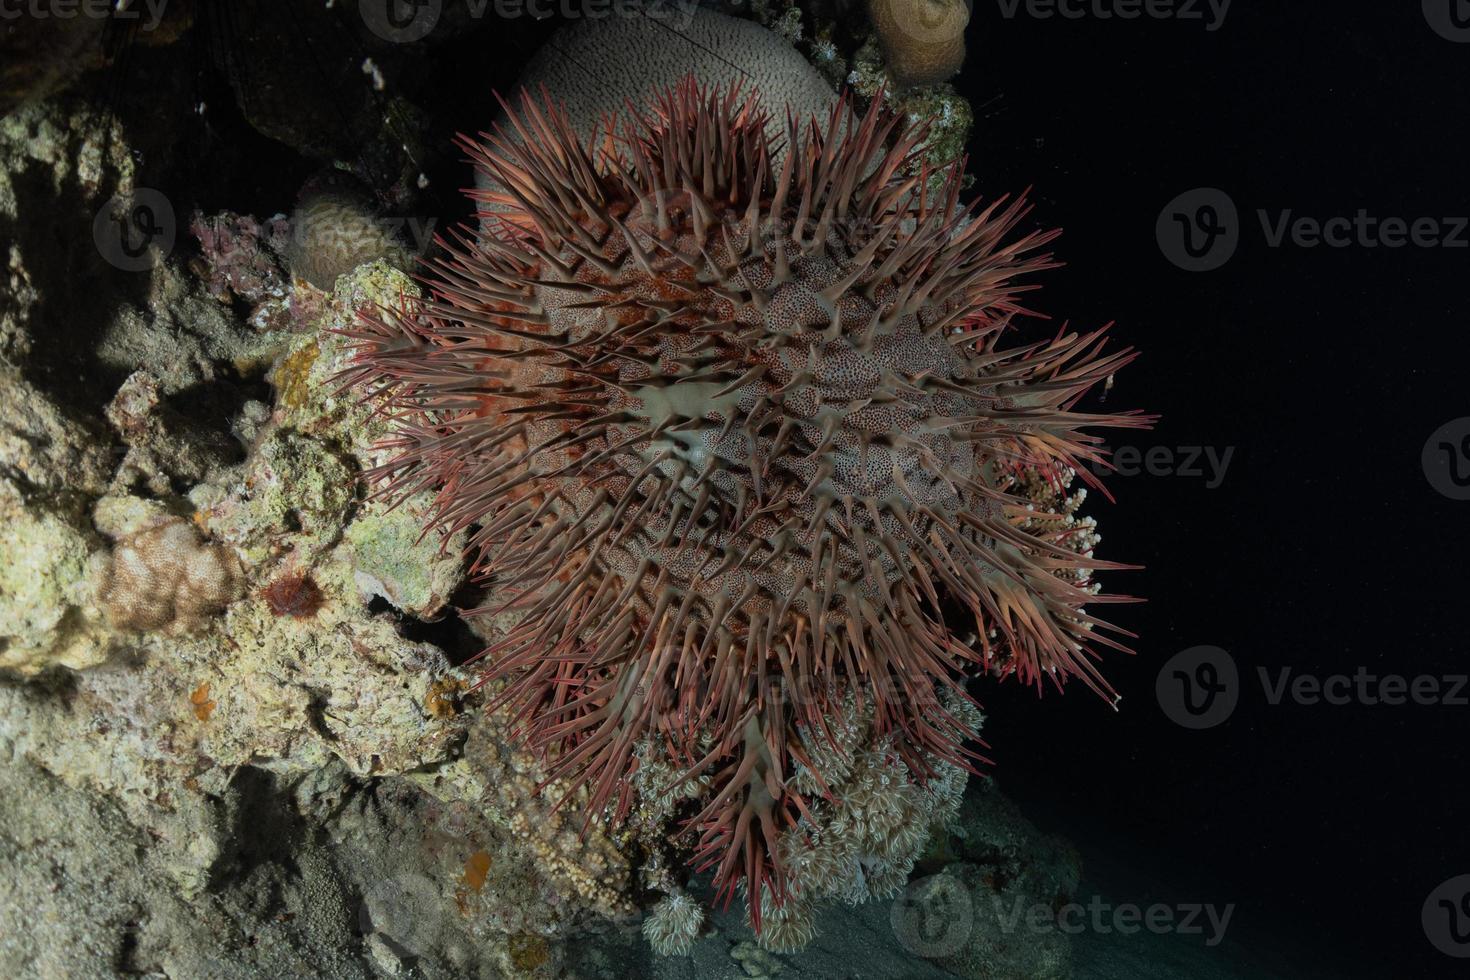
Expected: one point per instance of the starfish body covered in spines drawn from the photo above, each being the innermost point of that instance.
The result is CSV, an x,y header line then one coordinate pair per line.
x,y
733,441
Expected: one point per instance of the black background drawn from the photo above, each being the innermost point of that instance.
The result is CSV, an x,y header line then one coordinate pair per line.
x,y
1324,549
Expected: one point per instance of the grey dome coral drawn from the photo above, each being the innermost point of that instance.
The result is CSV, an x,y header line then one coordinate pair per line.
x,y
595,68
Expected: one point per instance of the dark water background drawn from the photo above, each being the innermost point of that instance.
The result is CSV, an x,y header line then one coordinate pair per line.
x,y
1324,547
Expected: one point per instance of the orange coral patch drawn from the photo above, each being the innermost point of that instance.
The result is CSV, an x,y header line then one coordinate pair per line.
x,y
203,706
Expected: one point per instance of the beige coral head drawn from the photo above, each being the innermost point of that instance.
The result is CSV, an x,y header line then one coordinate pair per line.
x,y
923,40
335,229
167,577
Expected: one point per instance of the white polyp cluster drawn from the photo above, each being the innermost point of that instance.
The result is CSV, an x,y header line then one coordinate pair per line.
x,y
673,924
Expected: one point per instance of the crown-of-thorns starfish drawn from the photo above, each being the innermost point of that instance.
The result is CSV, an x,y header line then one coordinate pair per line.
x,y
732,438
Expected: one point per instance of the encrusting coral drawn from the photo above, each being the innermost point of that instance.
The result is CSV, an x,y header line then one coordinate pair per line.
x,y
733,440
167,577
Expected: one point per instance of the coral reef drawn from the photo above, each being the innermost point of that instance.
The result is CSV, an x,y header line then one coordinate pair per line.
x,y
849,55
241,259
238,731
47,614
864,839
191,679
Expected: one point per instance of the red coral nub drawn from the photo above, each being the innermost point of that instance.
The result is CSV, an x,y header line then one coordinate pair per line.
x,y
293,594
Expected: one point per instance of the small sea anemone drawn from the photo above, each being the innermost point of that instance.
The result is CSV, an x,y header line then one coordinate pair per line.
x,y
673,924
787,924
293,594
733,440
